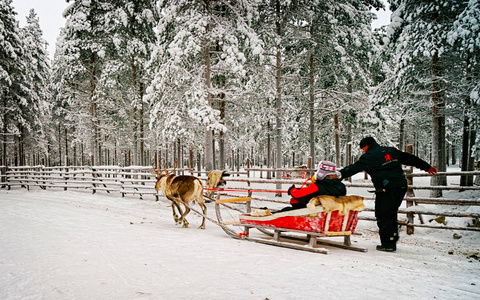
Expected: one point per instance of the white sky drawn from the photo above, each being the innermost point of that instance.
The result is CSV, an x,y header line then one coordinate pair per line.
x,y
383,16
51,20
50,14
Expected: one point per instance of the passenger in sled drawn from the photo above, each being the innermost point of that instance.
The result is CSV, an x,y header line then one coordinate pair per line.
x,y
325,181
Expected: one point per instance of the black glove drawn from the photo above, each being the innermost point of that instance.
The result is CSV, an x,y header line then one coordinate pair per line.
x,y
292,187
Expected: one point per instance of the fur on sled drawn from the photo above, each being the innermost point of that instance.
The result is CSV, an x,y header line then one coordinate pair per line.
x,y
342,203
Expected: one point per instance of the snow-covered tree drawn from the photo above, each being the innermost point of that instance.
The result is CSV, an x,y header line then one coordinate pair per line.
x,y
419,36
83,47
38,78
198,63
465,37
346,51
133,39
327,52
13,83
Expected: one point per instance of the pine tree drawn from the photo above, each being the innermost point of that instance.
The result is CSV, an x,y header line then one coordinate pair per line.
x,y
464,36
84,46
38,79
421,65
13,88
336,46
198,65
133,38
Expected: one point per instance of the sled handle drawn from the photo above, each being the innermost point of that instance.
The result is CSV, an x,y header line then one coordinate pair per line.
x,y
233,200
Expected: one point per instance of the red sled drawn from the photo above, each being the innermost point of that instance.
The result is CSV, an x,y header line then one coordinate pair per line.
x,y
301,229
316,224
323,222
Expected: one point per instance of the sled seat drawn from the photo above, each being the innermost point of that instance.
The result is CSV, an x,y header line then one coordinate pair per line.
x,y
334,215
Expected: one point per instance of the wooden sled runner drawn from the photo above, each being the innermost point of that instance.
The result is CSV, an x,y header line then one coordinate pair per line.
x,y
301,229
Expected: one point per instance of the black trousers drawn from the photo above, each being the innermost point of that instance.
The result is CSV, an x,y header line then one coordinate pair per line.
x,y
386,207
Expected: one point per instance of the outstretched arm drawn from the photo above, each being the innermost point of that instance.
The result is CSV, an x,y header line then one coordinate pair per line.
x,y
359,166
414,161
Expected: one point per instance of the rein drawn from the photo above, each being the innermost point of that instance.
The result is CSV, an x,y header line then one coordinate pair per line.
x,y
230,190
256,191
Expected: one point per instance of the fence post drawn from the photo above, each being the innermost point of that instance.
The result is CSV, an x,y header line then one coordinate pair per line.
x,y
410,193
3,176
9,187
65,177
190,158
93,181
122,181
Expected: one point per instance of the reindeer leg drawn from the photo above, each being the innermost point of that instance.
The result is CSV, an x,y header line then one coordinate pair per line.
x,y
187,210
204,209
176,217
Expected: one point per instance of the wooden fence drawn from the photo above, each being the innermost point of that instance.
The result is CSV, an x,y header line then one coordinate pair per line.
x,y
111,179
141,181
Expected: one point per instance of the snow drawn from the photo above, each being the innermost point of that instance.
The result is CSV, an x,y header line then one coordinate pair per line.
x,y
76,245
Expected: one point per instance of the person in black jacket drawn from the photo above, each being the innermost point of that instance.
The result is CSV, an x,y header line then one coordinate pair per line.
x,y
384,165
325,182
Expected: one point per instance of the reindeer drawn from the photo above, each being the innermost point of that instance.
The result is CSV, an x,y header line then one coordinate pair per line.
x,y
215,180
181,189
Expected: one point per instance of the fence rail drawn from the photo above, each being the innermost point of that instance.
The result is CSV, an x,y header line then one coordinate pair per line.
x,y
123,180
140,181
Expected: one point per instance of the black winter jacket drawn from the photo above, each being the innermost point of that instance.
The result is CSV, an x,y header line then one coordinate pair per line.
x,y
384,165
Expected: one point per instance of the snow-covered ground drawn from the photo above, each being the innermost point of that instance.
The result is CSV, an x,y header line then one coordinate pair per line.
x,y
75,245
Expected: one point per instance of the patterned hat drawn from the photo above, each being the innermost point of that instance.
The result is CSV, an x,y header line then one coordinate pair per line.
x,y
325,168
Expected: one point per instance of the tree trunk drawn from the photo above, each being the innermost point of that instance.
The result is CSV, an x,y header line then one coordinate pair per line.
x,y
95,145
178,154
22,146
278,102
401,137
66,147
4,135
466,180
208,97
269,150
311,106
221,139
141,125
135,116
438,127
278,129
337,139
468,138
60,144
348,146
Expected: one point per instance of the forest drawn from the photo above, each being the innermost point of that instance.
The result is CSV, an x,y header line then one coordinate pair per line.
x,y
214,83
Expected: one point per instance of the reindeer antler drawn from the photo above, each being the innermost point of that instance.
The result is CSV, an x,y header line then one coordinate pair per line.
x,y
172,171
159,170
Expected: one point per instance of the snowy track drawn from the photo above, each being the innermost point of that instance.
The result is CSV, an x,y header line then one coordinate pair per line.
x,y
75,245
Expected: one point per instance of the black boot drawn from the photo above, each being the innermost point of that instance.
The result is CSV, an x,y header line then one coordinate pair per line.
x,y
387,248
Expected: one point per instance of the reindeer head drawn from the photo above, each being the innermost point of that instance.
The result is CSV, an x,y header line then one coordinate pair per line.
x,y
215,180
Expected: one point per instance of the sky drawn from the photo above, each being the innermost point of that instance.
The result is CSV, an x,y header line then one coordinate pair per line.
x,y
383,16
50,14
51,19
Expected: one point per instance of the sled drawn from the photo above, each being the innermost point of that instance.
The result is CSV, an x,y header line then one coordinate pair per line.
x,y
302,229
